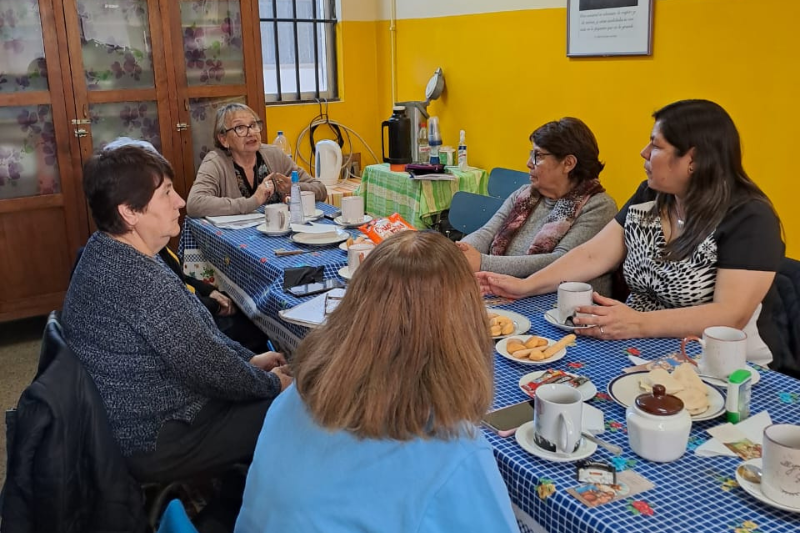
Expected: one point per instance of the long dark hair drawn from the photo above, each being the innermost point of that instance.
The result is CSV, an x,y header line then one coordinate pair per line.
x,y
718,183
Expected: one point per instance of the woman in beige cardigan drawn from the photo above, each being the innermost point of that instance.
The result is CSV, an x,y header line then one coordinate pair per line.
x,y
241,173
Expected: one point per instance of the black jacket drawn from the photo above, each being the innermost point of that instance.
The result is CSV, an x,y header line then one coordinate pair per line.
x,y
202,289
65,471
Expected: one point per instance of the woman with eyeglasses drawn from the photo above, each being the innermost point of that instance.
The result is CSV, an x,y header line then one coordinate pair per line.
x,y
241,173
699,242
564,206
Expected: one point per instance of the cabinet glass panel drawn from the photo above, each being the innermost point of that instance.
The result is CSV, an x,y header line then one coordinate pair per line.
x,y
212,42
203,115
137,120
22,63
115,43
28,164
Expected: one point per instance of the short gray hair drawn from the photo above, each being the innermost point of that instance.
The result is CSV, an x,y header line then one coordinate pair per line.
x,y
223,112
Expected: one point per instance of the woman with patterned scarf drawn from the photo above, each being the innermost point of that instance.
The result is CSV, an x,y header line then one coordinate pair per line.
x,y
564,206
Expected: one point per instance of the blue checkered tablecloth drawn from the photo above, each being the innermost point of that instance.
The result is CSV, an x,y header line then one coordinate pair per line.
x,y
691,494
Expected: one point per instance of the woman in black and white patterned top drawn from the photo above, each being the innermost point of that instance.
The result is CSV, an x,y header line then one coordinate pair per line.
x,y
699,242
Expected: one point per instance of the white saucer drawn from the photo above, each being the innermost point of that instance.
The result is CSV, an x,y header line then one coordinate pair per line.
x,y
625,388
552,319
754,489
719,382
364,220
272,233
501,349
521,323
524,436
345,272
588,390
318,214
320,239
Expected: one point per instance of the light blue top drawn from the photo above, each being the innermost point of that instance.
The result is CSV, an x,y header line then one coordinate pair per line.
x,y
305,478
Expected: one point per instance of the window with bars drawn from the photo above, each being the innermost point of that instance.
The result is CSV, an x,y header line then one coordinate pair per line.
x,y
298,40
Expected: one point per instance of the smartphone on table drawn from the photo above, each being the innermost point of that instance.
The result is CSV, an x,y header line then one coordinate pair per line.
x,y
506,420
332,216
315,288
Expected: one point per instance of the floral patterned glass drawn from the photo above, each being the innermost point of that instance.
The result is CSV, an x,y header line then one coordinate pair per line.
x,y
22,64
27,152
212,42
137,120
203,112
115,43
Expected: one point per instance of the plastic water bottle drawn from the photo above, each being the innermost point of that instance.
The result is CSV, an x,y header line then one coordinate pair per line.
x,y
283,143
462,151
423,149
296,201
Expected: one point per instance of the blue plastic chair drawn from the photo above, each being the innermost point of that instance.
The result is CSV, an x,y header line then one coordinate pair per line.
x,y
175,520
469,211
504,181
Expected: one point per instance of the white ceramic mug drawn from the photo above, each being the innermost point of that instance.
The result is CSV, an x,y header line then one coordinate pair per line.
x,y
557,418
309,203
352,209
724,350
780,470
356,254
276,217
572,294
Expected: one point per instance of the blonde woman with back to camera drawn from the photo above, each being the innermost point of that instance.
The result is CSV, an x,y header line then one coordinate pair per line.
x,y
379,433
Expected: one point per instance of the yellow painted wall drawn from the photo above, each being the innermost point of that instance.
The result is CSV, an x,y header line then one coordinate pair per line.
x,y
359,84
507,73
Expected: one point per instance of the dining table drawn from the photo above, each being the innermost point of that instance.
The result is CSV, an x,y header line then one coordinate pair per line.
x,y
419,201
693,493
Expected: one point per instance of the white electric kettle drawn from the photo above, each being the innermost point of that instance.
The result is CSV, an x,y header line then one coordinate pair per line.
x,y
329,162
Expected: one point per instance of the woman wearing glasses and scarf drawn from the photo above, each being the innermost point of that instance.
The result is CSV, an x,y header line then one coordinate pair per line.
x,y
564,206
241,173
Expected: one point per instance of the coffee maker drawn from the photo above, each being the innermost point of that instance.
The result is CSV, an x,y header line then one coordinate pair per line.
x,y
417,111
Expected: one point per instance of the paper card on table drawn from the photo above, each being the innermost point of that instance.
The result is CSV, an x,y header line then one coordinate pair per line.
x,y
750,429
237,221
628,484
669,363
312,313
736,441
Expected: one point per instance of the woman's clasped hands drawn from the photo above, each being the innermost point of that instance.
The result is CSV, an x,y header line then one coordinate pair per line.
x,y
612,318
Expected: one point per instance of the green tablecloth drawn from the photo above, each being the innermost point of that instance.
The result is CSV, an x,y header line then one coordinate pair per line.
x,y
418,201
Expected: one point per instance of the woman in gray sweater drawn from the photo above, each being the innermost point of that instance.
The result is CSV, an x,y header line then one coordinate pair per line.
x,y
182,398
564,206
241,173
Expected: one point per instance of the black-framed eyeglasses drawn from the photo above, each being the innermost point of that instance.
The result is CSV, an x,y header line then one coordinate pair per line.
x,y
242,130
332,302
537,156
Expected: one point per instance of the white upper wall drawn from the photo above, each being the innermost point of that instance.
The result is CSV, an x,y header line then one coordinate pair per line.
x,y
413,9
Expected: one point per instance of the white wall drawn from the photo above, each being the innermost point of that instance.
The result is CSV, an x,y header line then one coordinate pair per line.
x,y
412,9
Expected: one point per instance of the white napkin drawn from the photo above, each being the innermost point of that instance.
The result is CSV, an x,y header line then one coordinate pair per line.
x,y
752,428
317,229
593,420
237,221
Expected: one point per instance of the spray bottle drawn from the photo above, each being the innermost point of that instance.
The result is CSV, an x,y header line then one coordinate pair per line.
x,y
462,151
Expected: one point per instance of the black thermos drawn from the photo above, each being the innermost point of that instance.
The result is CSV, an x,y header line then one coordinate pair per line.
x,y
399,137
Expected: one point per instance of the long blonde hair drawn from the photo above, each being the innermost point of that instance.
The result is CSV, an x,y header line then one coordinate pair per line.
x,y
407,353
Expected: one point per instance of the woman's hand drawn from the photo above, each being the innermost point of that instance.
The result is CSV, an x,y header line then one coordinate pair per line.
x,y
285,375
265,191
501,285
283,183
268,360
226,307
614,320
473,256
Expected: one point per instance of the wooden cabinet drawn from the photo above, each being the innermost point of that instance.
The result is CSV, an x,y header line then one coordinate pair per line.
x,y
76,74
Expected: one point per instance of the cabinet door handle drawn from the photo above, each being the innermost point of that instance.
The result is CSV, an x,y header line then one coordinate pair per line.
x,y
181,126
80,132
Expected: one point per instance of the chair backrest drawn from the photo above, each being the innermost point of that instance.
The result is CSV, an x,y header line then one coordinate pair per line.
x,y
469,211
175,520
786,317
504,181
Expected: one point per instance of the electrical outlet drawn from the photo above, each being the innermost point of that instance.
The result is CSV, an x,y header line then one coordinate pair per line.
x,y
351,168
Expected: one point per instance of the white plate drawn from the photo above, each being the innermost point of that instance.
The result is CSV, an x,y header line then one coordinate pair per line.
x,y
344,246
625,388
552,319
521,323
338,220
345,272
524,436
501,349
263,229
320,239
754,489
587,390
718,382
318,214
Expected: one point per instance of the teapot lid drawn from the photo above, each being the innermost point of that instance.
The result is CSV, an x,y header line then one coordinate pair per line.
x,y
659,403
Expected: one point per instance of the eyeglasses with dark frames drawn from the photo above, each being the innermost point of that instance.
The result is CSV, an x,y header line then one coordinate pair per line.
x,y
538,156
242,130
332,301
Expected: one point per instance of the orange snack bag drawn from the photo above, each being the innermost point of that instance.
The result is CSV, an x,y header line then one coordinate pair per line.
x,y
380,228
